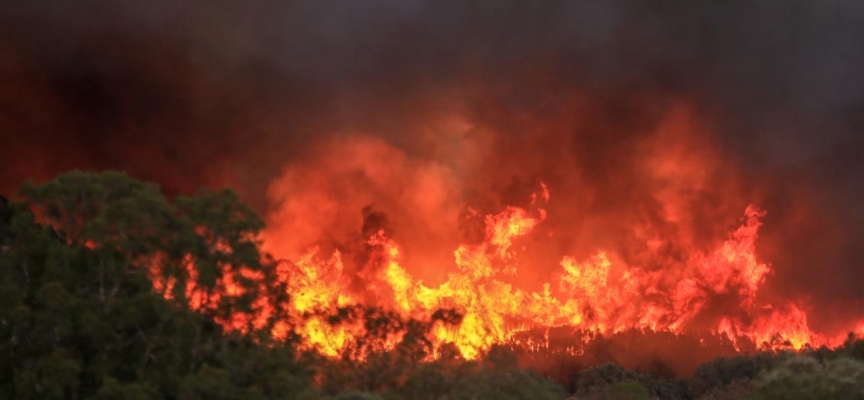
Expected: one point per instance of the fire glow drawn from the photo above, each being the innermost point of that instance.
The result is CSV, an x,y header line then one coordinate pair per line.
x,y
714,290
590,294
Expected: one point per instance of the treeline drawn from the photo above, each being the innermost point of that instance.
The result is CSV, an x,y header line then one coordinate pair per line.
x,y
811,375
81,318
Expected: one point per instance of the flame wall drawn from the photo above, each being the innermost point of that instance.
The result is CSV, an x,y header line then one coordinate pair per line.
x,y
653,127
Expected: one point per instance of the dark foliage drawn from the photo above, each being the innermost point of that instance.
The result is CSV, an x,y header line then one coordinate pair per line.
x,y
80,318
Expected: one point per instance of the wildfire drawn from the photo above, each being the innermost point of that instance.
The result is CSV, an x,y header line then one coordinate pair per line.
x,y
592,294
673,281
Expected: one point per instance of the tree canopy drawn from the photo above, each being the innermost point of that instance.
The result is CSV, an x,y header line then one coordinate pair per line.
x,y
79,314
110,290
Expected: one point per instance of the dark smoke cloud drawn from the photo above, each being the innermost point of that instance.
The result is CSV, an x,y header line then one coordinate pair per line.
x,y
221,92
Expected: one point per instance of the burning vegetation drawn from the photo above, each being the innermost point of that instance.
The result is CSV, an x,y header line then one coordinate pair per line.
x,y
100,265
435,184
669,268
593,295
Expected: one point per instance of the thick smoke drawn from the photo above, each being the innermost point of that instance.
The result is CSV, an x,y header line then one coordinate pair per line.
x,y
433,110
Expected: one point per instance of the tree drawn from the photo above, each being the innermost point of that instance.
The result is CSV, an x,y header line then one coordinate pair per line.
x,y
802,377
80,316
716,375
628,390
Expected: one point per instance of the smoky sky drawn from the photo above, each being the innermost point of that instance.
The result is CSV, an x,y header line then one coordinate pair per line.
x,y
226,93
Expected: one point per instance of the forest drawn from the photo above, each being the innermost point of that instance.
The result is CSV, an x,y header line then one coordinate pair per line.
x,y
111,290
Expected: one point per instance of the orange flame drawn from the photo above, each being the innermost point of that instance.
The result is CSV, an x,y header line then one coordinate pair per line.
x,y
592,294
674,283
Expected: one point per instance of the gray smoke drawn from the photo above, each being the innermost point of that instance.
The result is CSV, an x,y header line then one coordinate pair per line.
x,y
224,92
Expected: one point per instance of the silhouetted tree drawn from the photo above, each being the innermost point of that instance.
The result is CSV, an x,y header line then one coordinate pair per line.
x,y
79,316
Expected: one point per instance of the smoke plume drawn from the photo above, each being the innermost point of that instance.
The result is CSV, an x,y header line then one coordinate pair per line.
x,y
670,116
